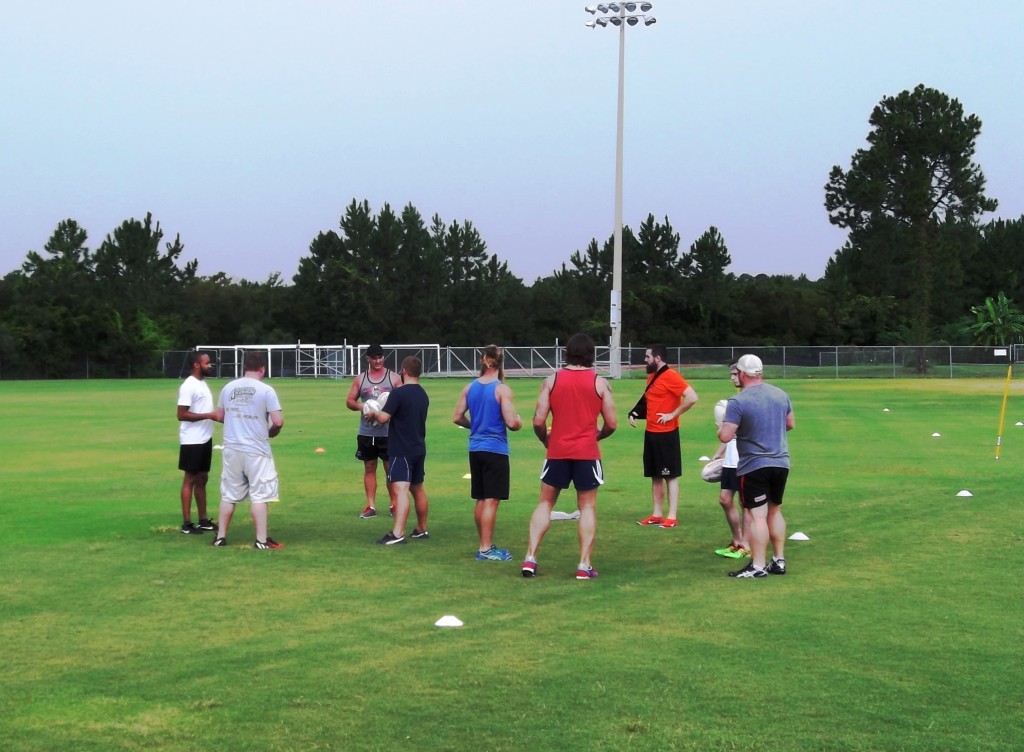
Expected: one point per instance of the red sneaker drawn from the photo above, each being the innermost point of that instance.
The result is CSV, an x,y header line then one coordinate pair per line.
x,y
650,521
669,522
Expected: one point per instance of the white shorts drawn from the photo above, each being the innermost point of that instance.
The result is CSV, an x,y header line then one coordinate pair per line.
x,y
245,475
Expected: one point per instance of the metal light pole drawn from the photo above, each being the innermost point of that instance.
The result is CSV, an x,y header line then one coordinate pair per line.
x,y
621,15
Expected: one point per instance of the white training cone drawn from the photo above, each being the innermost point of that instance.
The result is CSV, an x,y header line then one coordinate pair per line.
x,y
448,621
936,435
886,410
218,446
555,515
799,536
703,458
467,476
965,492
320,450
1018,423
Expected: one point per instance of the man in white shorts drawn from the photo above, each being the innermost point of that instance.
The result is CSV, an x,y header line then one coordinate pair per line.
x,y
252,416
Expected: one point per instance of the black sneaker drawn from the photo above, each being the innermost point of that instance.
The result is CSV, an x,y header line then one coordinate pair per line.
x,y
390,539
220,542
207,525
748,572
187,528
420,534
268,543
776,566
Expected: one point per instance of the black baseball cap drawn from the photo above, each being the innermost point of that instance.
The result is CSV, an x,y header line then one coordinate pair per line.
x,y
374,351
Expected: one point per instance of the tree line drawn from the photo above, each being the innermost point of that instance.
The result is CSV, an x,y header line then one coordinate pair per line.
x,y
917,264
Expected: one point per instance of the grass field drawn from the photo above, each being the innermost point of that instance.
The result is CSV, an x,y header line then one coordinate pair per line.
x,y
899,626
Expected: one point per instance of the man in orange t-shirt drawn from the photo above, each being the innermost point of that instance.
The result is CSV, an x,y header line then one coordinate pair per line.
x,y
668,396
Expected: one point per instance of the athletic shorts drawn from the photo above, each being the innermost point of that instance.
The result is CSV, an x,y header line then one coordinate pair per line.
x,y
251,476
730,480
407,469
662,457
585,475
489,473
371,448
766,484
195,458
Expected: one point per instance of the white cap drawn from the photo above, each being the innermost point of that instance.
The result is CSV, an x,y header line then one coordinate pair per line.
x,y
750,365
720,411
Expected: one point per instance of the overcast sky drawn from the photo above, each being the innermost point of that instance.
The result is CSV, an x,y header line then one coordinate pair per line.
x,y
247,127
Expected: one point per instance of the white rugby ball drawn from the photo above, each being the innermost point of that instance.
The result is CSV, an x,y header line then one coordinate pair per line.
x,y
720,411
383,400
370,406
712,471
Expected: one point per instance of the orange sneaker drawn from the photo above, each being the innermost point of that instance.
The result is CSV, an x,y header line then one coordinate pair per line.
x,y
650,521
669,522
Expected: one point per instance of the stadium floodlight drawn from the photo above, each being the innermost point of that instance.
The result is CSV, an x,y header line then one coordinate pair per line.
x,y
650,21
622,12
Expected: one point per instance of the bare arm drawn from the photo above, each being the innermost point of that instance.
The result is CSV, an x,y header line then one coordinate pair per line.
x,y
609,421
508,408
187,416
352,400
540,414
276,422
727,432
461,408
686,401
790,421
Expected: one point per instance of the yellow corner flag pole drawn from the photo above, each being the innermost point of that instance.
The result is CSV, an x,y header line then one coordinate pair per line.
x,y
1002,412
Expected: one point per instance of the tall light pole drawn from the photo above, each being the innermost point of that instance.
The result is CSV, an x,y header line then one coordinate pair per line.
x,y
621,15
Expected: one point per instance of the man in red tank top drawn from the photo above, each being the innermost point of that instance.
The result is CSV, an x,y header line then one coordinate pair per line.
x,y
574,397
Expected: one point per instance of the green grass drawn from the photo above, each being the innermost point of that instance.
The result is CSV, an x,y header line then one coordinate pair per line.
x,y
899,626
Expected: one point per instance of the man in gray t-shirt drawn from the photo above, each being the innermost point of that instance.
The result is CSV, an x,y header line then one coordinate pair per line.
x,y
759,418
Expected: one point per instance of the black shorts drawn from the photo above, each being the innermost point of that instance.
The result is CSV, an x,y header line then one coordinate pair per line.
x,y
662,457
766,484
195,458
371,448
730,480
489,472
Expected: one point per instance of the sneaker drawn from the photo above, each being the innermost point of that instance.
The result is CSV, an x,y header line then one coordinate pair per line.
x,y
187,528
390,539
748,572
420,534
586,574
220,542
776,566
494,554
650,521
669,523
529,569
733,552
368,513
207,525
268,543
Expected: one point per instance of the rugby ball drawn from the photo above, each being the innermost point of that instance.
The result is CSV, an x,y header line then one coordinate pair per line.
x,y
370,406
712,471
720,411
383,400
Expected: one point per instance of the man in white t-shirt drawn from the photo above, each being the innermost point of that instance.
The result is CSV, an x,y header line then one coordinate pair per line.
x,y
252,416
196,416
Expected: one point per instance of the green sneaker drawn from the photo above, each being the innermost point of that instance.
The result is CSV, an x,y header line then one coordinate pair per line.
x,y
733,552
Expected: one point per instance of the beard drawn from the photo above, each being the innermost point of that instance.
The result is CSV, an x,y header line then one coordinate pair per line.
x,y
652,367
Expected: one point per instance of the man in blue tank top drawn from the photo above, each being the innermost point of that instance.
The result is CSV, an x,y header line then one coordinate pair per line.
x,y
491,414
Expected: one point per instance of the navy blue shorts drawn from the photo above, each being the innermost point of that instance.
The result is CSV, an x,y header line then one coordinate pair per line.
x,y
407,469
585,475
